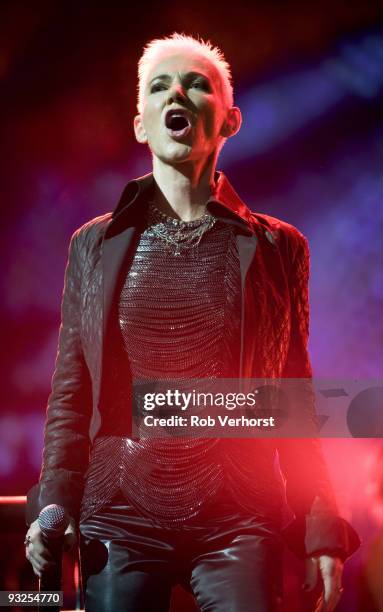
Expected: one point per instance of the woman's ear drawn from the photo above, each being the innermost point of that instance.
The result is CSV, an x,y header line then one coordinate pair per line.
x,y
139,130
232,123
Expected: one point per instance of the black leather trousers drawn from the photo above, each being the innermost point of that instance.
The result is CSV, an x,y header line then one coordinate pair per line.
x,y
229,560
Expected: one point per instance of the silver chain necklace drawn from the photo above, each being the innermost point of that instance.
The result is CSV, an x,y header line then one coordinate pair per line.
x,y
182,235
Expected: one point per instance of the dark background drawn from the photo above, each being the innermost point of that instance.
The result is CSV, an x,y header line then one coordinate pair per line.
x,y
308,77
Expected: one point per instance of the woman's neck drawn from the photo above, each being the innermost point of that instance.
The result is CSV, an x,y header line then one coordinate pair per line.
x,y
182,191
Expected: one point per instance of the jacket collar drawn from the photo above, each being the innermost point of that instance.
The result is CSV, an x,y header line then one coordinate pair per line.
x,y
224,203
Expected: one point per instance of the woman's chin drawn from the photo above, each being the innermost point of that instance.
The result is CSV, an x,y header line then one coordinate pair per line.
x,y
179,152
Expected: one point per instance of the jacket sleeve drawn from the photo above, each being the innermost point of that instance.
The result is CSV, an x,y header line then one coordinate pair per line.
x,y
66,439
317,528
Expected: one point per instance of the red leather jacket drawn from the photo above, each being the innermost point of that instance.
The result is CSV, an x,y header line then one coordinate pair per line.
x,y
90,388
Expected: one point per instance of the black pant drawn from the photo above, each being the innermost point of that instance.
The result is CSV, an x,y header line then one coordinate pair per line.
x,y
229,560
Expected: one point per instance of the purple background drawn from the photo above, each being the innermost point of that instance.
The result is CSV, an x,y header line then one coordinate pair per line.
x,y
309,81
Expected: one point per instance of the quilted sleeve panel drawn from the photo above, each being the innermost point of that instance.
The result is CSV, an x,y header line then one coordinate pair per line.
x,y
66,441
317,527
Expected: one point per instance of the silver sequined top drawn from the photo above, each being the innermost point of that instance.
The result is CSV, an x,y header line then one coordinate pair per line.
x,y
179,317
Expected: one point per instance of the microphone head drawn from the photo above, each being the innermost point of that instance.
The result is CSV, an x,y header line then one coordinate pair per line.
x,y
53,521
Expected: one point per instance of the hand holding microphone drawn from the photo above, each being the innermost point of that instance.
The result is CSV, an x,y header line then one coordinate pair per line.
x,y
52,531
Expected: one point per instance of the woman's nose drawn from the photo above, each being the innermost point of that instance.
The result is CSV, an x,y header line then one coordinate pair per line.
x,y
175,92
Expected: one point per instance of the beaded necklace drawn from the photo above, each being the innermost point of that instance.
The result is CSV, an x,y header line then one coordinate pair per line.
x,y
177,233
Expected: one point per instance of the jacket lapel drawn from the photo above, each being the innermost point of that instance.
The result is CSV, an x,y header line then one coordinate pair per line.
x,y
118,239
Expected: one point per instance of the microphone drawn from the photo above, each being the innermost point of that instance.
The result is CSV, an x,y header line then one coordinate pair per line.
x,y
53,521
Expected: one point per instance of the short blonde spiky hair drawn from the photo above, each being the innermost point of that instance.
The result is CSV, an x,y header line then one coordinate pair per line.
x,y
158,48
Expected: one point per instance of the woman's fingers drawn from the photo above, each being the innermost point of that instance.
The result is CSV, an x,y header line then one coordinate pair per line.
x,y
36,550
70,540
311,577
331,569
40,562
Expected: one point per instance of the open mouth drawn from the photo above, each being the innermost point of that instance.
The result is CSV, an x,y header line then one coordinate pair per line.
x,y
177,123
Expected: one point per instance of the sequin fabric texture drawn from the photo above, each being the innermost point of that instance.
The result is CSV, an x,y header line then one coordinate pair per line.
x,y
179,316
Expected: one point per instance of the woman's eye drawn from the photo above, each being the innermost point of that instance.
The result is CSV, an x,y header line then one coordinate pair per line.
x,y
199,85
157,87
